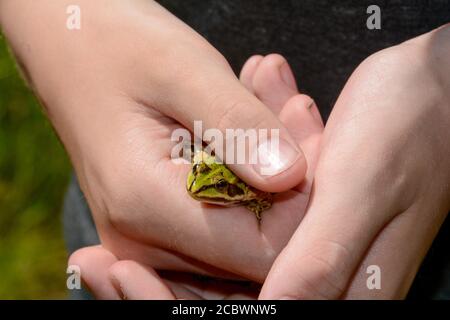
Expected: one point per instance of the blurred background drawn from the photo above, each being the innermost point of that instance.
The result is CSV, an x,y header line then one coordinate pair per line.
x,y
34,172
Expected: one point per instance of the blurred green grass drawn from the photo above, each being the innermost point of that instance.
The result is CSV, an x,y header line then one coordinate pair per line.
x,y
34,172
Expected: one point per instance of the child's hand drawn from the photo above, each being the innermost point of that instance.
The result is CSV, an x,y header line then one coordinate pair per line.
x,y
381,188
115,90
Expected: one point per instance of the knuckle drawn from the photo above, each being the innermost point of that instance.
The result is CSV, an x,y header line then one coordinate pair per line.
x,y
121,269
233,114
228,115
384,65
383,58
119,207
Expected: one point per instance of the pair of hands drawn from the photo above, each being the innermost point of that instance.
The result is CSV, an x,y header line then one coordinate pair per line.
x,y
380,173
244,248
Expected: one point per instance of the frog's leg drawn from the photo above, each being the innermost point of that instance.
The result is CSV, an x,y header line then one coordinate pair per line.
x,y
258,206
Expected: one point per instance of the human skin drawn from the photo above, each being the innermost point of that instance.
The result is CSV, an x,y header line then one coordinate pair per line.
x,y
322,267
389,136
108,277
114,91
381,186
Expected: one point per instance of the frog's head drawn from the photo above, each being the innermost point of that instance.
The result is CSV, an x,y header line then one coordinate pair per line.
x,y
212,182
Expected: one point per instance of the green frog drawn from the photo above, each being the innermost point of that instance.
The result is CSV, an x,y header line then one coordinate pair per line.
x,y
212,182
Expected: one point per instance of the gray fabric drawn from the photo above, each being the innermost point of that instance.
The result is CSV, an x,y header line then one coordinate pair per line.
x,y
324,41
79,228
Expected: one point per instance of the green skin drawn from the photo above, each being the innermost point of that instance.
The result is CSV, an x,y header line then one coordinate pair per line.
x,y
212,182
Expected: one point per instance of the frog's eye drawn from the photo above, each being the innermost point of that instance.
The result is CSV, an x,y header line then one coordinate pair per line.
x,y
221,185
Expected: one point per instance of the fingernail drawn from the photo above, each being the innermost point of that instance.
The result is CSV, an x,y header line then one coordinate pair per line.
x,y
274,156
287,76
315,113
310,104
117,284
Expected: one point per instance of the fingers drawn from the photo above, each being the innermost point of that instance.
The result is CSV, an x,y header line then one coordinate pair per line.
x,y
298,116
273,82
248,71
271,79
94,263
222,102
211,288
265,77
109,279
137,282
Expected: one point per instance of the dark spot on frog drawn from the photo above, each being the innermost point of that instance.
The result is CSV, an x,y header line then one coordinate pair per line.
x,y
234,190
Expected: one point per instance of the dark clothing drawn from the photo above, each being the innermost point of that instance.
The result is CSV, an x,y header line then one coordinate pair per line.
x,y
323,41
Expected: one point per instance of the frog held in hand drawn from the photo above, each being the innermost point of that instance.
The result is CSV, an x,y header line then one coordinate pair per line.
x,y
212,182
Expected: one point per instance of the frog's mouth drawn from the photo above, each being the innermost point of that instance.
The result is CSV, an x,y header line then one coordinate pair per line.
x,y
209,195
219,201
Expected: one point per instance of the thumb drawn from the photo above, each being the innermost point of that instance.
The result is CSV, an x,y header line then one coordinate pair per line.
x,y
341,223
248,137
